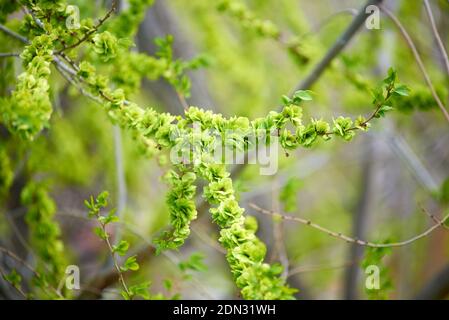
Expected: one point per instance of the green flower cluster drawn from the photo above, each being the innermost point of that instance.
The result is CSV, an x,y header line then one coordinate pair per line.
x,y
29,108
246,253
130,67
105,45
44,233
181,206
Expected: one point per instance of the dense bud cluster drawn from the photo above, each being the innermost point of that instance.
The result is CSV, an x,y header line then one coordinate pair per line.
x,y
29,108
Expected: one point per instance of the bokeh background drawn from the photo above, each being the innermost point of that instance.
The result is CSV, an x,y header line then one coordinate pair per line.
x,y
373,188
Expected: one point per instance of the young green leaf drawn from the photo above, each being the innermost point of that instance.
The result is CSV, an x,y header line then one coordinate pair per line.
x,y
121,248
100,233
130,264
305,95
402,90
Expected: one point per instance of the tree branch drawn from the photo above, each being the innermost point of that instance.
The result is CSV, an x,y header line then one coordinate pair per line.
x,y
437,36
346,238
338,46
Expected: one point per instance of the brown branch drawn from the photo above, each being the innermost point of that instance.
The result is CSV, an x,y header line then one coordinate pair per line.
x,y
431,216
346,238
338,46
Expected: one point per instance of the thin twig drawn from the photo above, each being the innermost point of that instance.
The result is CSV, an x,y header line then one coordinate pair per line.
x,y
18,288
320,267
431,216
183,101
341,236
15,257
412,46
437,35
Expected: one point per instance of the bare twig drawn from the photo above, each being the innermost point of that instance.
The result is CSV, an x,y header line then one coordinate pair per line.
x,y
437,35
346,238
320,267
431,216
15,257
412,46
182,100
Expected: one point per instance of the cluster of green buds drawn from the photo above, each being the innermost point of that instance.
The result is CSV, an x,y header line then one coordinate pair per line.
x,y
245,252
29,108
181,207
